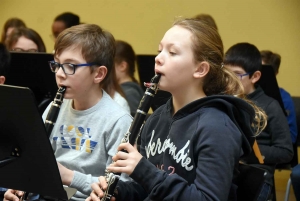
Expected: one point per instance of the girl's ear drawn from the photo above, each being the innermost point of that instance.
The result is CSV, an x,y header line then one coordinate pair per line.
x,y
100,74
255,77
201,69
122,66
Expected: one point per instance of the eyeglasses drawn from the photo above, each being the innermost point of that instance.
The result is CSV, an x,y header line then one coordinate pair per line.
x,y
69,69
22,50
242,75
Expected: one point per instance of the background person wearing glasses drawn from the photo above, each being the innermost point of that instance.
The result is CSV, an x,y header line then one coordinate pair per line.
x,y
274,141
25,40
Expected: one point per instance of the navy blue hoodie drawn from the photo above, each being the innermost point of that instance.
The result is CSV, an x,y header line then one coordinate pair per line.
x,y
194,154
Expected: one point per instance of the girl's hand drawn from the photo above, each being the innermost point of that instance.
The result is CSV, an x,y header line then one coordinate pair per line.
x,y
98,190
125,162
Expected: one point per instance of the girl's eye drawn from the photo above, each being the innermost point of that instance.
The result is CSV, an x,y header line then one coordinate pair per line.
x,y
172,53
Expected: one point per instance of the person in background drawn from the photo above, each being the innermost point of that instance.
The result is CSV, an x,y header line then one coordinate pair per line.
x,y
274,59
64,21
208,19
90,125
125,67
9,26
190,146
274,141
112,87
25,40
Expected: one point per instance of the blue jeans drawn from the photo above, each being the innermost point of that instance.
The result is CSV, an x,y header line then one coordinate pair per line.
x,y
265,192
295,178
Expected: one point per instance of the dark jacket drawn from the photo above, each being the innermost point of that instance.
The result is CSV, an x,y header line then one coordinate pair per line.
x,y
194,154
275,140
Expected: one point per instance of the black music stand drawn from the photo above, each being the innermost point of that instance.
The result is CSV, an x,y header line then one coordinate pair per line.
x,y
268,83
27,161
32,70
146,64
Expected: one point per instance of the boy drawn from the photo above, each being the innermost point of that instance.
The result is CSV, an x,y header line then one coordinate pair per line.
x,y
274,141
90,124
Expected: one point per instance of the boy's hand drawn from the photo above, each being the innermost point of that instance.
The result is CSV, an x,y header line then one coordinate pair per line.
x,y
12,195
65,174
98,190
125,162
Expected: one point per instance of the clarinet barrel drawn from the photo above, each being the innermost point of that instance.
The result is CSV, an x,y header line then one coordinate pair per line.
x,y
54,110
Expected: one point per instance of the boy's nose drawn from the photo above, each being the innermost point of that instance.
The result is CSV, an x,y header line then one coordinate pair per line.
x,y
60,72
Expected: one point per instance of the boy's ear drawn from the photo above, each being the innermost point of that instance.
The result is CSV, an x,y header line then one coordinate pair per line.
x,y
2,79
201,70
100,74
255,77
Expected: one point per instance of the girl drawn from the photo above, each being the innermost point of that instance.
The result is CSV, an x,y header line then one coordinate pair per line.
x,y
125,67
9,26
25,40
191,146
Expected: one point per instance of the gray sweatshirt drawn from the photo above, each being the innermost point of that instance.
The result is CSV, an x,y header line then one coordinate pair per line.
x,y
85,141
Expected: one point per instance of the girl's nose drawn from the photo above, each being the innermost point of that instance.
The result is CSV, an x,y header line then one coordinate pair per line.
x,y
158,59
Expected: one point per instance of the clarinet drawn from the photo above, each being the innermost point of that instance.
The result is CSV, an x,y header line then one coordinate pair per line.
x,y
133,133
51,119
54,110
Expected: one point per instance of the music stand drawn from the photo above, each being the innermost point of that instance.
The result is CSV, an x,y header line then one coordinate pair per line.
x,y
268,83
32,70
146,64
27,161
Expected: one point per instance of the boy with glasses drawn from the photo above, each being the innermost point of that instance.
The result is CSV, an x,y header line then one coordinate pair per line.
x,y
90,124
274,141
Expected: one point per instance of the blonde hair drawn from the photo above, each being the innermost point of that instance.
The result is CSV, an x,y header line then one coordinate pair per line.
x,y
207,46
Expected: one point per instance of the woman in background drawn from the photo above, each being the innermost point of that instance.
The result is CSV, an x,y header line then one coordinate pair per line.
x,y
25,40
9,26
112,87
125,66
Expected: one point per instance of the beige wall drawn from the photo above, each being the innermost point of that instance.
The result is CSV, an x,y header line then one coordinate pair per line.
x,y
269,24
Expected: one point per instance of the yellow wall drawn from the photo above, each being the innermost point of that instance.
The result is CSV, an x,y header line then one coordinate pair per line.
x,y
269,24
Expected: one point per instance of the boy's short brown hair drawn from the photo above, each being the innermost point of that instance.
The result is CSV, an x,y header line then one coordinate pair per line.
x,y
97,46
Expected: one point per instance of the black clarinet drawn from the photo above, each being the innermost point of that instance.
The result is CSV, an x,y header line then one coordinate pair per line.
x,y
54,110
51,119
133,132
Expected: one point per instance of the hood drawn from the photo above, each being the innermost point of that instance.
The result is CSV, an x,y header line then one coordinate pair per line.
x,y
238,110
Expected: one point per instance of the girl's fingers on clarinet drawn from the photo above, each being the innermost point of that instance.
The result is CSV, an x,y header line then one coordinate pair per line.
x,y
97,191
103,183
